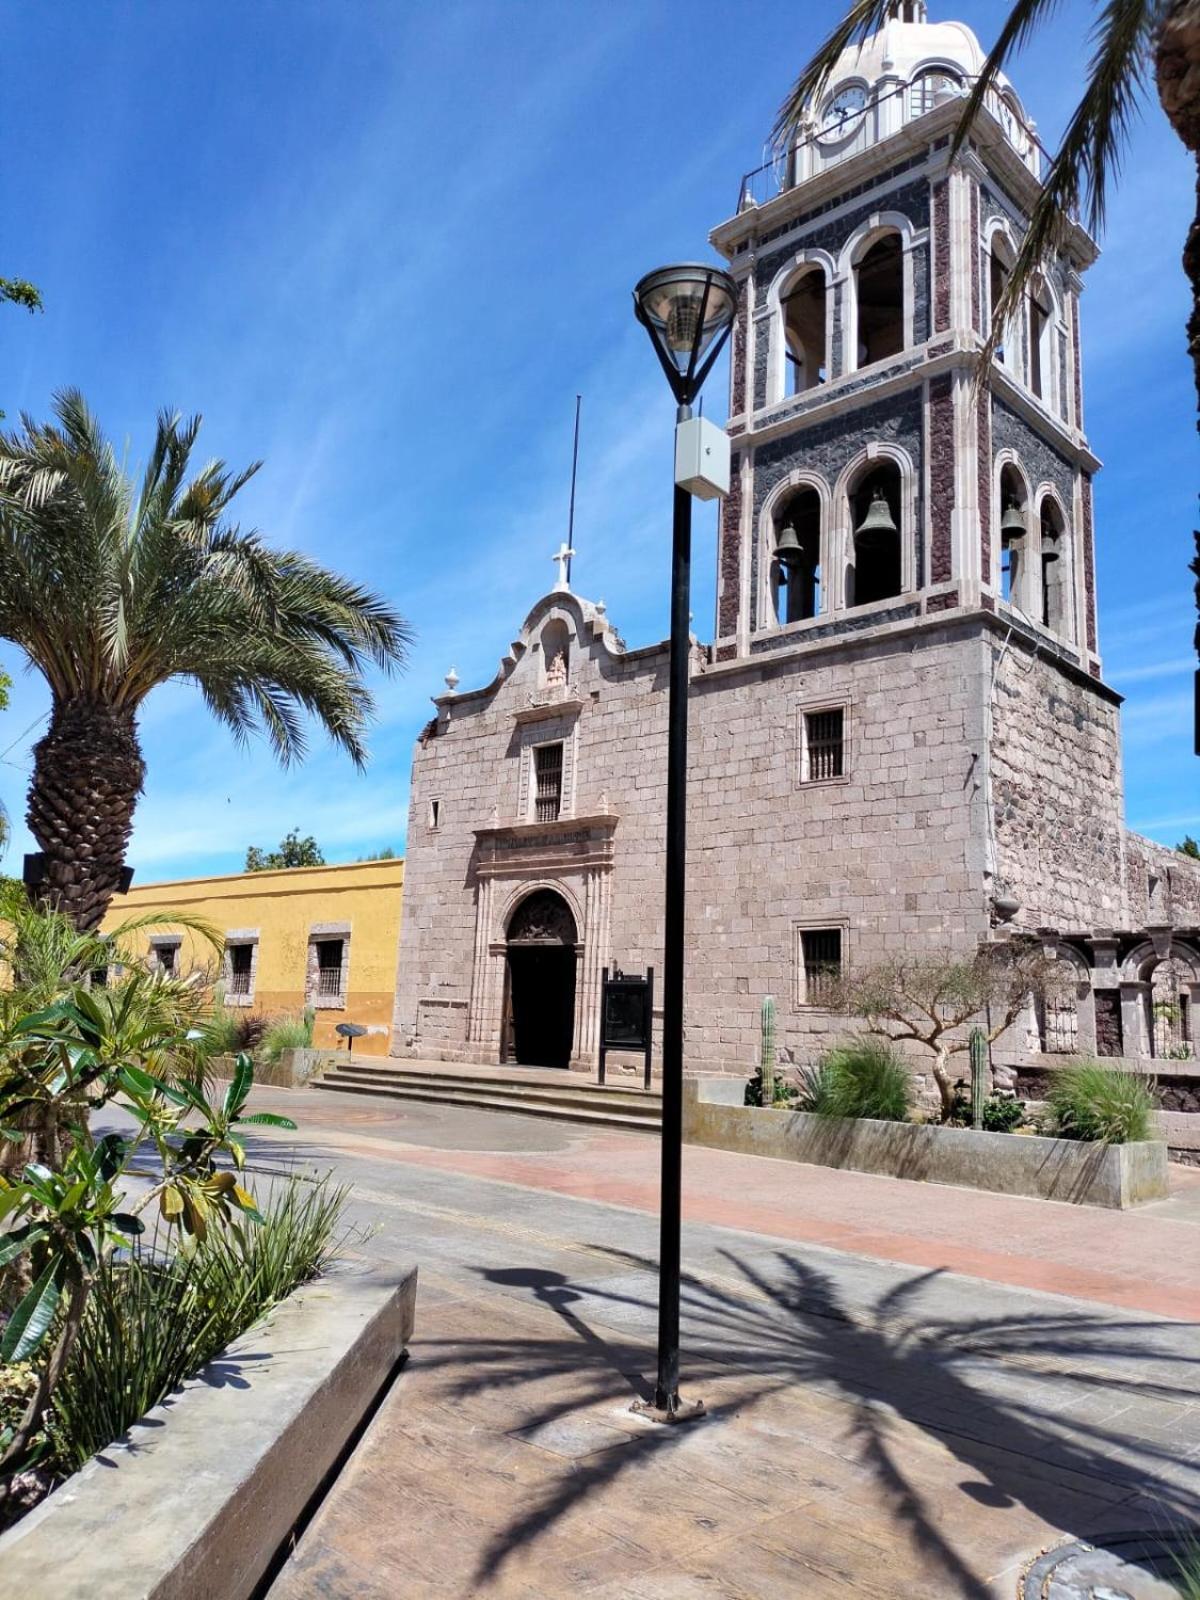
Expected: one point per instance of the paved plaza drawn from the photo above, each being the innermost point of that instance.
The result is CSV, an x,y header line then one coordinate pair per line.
x,y
900,1402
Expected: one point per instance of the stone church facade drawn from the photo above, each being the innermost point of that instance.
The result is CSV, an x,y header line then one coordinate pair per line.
x,y
900,736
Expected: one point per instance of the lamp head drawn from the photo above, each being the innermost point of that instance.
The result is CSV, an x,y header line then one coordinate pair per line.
x,y
687,311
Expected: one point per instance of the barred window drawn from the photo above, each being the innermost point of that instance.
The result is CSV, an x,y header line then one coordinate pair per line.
x,y
548,771
329,967
821,954
241,968
824,754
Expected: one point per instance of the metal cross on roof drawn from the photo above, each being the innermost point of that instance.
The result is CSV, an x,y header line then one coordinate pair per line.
x,y
563,556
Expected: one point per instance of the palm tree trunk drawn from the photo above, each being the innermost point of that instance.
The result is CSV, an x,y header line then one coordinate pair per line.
x,y
87,777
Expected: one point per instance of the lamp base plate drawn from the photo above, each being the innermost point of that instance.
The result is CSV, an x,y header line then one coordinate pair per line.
x,y
684,1411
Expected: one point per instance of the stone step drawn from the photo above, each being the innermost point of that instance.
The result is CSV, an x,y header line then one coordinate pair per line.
x,y
573,1090
458,1092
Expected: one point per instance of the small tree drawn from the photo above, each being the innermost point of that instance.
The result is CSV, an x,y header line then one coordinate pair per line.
x,y
1189,847
930,999
293,852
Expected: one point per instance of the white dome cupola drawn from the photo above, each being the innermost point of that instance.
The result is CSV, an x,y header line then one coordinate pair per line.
x,y
909,67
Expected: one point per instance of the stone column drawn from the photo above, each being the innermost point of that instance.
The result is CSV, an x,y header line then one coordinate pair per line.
x,y
1135,1008
476,1018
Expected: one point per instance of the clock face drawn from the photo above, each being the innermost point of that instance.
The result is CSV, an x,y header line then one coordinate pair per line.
x,y
843,111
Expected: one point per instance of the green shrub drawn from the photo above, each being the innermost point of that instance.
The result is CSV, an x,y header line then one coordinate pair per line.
x,y
1187,1571
1088,1101
222,1033
1002,1116
863,1078
783,1096
286,1033
154,1319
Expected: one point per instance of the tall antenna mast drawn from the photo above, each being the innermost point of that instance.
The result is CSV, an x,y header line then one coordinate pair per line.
x,y
574,474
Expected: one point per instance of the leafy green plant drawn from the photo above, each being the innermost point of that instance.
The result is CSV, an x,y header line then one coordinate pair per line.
x,y
782,1092
1091,1102
63,1220
286,1033
222,1032
1187,1570
155,1319
862,1078
1002,1116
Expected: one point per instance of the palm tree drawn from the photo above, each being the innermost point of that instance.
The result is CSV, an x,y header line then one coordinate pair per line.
x,y
1130,40
111,588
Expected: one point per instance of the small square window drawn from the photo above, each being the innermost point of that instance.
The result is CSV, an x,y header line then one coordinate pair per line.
x,y
548,775
823,752
820,965
166,958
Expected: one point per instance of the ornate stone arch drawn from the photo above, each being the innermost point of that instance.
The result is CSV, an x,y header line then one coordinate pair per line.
x,y
764,534
876,227
1144,957
1160,1023
509,907
841,532
804,261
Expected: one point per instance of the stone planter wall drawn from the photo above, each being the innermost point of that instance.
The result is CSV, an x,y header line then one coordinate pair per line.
x,y
1004,1163
197,1500
294,1067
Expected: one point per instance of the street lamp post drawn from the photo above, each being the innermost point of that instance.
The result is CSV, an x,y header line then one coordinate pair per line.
x,y
688,312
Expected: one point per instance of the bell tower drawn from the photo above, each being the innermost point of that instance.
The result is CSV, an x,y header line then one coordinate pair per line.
x,y
874,483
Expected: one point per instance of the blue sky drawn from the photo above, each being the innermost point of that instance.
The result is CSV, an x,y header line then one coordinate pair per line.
x,y
382,246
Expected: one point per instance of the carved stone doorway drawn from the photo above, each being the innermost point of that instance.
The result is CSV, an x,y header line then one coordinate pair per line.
x,y
539,989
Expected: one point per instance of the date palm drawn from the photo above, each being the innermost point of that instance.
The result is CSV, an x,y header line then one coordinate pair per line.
x,y
1131,41
111,588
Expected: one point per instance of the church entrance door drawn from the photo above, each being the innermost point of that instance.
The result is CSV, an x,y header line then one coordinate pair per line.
x,y
539,1002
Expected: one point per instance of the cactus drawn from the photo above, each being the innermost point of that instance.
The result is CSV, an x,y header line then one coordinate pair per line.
x,y
766,1063
979,1075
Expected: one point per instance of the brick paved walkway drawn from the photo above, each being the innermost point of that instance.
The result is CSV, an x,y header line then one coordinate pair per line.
x,y
883,1423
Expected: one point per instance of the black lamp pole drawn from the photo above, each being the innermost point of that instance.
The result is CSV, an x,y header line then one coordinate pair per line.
x,y
688,312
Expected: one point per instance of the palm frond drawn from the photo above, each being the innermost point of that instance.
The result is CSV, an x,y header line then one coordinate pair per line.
x,y
1089,157
111,589
863,18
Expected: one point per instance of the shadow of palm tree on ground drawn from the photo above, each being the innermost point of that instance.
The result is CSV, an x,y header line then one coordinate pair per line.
x,y
1023,1402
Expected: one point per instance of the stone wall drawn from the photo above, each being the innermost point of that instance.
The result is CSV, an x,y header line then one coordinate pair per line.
x,y
1161,885
889,852
1055,783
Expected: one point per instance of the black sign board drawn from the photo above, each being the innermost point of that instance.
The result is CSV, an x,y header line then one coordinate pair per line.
x,y
627,1016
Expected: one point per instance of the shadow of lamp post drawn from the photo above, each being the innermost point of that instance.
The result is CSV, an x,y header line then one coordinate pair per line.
x,y
688,312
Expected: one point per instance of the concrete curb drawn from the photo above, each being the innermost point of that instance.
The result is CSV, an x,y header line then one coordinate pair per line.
x,y
202,1493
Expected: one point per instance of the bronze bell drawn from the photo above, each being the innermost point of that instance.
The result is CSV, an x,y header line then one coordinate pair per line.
x,y
878,524
1012,523
787,545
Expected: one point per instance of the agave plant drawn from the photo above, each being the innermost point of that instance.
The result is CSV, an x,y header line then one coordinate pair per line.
x,y
110,589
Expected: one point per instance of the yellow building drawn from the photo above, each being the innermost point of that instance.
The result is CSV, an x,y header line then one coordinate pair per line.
x,y
324,937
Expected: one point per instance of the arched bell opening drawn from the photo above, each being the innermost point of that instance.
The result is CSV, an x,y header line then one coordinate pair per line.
x,y
1055,564
877,572
796,563
538,1028
804,331
879,300
1014,538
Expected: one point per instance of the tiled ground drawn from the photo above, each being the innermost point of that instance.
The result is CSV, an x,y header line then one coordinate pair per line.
x,y
878,1425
